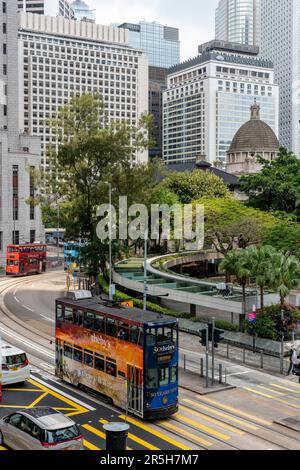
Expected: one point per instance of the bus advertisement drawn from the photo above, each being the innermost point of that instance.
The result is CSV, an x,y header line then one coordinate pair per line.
x,y
124,354
26,259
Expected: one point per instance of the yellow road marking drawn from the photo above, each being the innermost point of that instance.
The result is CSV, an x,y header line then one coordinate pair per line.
x,y
156,433
90,446
104,421
187,434
130,436
212,420
211,431
75,406
273,398
237,411
219,413
35,402
290,383
2,448
286,388
271,390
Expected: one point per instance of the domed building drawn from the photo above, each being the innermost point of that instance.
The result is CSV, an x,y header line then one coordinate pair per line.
x,y
253,139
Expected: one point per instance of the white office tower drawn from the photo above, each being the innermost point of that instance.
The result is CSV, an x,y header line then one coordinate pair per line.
x,y
47,7
20,220
280,41
208,99
238,21
62,58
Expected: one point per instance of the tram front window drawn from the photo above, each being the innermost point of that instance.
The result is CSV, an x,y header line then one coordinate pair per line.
x,y
151,378
164,334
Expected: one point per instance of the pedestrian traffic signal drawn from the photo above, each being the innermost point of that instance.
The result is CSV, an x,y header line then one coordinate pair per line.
x,y
218,336
202,334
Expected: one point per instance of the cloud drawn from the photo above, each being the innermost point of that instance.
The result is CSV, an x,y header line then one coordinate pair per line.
x,y
194,18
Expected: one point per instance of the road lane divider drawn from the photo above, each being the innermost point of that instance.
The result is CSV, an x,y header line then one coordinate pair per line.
x,y
183,432
212,420
90,446
202,427
156,433
267,395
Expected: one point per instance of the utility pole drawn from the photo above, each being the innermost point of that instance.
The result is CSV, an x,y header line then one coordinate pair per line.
x,y
110,246
213,352
145,271
207,357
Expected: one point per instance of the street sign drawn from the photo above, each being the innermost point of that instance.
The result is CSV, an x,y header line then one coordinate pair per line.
x,y
252,317
127,303
112,289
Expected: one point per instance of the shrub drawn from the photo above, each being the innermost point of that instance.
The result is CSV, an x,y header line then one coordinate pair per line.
x,y
227,326
264,327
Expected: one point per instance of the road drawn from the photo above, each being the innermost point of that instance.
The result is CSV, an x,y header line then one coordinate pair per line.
x,y
241,418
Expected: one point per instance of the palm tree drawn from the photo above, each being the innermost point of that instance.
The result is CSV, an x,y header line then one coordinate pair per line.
x,y
236,264
285,275
260,266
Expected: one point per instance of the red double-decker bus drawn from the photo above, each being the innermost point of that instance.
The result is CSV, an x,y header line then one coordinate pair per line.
x,y
26,259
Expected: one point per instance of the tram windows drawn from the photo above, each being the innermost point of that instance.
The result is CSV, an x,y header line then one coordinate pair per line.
x,y
88,358
123,331
77,355
150,338
68,315
175,333
134,334
164,334
151,378
99,362
99,324
78,317
89,320
111,368
174,373
68,349
111,327
164,375
121,374
59,313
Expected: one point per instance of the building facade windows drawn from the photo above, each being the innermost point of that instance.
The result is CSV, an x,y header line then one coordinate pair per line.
x,y
15,191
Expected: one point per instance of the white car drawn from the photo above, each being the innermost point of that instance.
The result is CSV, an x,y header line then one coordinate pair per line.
x,y
15,365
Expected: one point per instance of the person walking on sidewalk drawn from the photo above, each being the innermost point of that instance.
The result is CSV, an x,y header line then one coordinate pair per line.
x,y
293,359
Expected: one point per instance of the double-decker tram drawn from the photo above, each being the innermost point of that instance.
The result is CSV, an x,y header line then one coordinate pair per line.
x,y
26,259
125,354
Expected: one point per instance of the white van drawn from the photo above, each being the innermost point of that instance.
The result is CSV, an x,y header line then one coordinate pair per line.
x,y
15,365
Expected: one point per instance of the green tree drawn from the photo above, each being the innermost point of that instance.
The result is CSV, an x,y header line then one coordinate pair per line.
x,y
91,151
285,237
285,275
259,261
190,186
276,187
230,224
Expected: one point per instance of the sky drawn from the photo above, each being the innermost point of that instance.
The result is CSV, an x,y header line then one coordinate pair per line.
x,y
194,18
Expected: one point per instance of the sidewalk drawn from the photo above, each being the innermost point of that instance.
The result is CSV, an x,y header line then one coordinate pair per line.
x,y
194,383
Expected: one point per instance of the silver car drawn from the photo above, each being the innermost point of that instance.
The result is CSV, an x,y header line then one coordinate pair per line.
x,y
40,428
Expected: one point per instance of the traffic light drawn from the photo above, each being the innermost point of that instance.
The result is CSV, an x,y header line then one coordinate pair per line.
x,y
202,334
218,336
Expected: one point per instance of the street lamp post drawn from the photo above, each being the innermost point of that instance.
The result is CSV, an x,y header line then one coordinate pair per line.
x,y
110,241
145,271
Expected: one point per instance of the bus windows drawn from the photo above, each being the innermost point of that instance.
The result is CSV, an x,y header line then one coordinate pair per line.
x,y
150,338
88,358
151,378
68,350
111,367
174,374
123,331
78,317
89,320
99,362
164,376
68,315
59,313
111,327
77,355
99,324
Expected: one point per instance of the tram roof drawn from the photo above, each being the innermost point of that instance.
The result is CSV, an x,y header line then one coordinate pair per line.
x,y
133,314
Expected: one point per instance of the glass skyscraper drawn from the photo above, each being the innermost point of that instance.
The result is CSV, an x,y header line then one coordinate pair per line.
x,y
161,43
83,12
238,21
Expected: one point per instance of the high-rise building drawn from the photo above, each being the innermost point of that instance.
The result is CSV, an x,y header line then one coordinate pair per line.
x,y
161,43
82,11
280,41
208,99
238,21
20,221
47,7
62,58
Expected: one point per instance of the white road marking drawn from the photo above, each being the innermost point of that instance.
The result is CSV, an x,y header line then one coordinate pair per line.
x,y
241,373
57,390
31,345
28,308
17,300
46,318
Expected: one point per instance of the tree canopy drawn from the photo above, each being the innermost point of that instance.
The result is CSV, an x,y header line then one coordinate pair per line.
x,y
277,186
190,186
